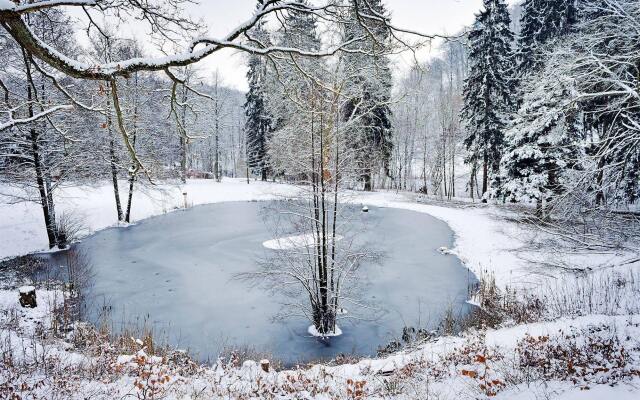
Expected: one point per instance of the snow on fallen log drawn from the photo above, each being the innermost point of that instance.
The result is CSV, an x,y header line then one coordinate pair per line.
x,y
28,297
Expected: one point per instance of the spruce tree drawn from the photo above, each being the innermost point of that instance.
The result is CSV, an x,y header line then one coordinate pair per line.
x,y
258,123
541,22
544,144
370,90
540,145
299,31
489,88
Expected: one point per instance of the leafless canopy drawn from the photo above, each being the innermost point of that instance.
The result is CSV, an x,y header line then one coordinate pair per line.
x,y
166,18
167,22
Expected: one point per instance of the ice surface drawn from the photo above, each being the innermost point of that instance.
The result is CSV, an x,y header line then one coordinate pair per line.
x,y
180,270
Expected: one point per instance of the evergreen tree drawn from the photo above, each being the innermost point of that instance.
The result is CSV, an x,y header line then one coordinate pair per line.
x,y
544,143
370,91
299,31
489,88
541,22
258,122
541,140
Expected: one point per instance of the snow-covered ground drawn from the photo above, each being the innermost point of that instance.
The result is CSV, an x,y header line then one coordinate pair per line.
x,y
602,345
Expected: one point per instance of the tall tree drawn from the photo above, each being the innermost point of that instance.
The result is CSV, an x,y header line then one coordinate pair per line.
x,y
543,143
541,22
489,88
258,122
370,89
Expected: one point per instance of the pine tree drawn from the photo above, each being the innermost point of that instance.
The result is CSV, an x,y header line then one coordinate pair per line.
x,y
544,144
299,31
540,144
370,92
258,122
541,22
489,88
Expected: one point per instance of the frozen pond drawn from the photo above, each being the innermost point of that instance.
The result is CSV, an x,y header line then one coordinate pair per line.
x,y
177,272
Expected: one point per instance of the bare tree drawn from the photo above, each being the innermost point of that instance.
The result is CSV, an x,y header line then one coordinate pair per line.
x,y
165,18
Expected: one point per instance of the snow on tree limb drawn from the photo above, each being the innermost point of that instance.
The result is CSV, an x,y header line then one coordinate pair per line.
x,y
12,21
7,5
23,121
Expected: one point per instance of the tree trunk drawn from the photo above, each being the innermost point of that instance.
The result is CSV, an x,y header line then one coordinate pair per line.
x,y
114,178
132,175
113,160
368,183
217,155
183,139
44,202
472,179
485,174
60,241
132,180
37,164
183,159
600,198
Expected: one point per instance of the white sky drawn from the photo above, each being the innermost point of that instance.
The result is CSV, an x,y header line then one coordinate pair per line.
x,y
427,16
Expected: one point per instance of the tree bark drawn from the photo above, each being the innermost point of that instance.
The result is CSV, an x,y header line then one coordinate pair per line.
x,y
114,178
368,183
485,173
37,162
132,180
183,138
50,225
217,153
113,161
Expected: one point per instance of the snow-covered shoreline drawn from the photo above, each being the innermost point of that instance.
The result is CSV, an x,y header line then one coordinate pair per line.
x,y
21,224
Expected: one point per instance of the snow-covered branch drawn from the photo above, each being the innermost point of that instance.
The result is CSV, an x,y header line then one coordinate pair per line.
x,y
11,18
22,121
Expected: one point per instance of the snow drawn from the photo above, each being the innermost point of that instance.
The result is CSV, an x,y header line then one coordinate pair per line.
x,y
26,289
562,391
13,122
7,5
293,242
445,250
484,242
314,332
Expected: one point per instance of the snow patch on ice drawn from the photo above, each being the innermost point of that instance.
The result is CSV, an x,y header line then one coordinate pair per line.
x,y
314,332
294,242
446,251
